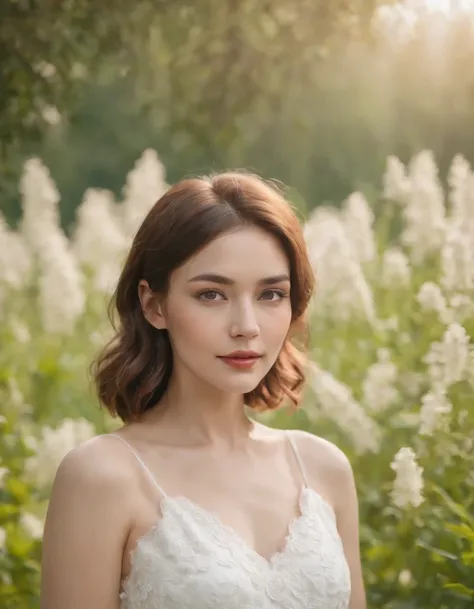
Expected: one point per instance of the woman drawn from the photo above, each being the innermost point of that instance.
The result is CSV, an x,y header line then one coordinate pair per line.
x,y
192,504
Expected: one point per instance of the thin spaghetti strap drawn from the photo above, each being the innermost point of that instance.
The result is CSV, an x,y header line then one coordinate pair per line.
x,y
298,458
141,462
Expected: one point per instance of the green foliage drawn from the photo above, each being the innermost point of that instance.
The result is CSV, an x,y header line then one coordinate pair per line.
x,y
43,43
46,49
203,82
464,534
323,124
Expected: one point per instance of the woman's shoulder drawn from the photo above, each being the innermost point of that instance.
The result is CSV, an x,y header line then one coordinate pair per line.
x,y
99,463
89,518
327,466
314,448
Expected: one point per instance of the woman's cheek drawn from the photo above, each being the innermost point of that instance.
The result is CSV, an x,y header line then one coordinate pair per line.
x,y
277,322
193,326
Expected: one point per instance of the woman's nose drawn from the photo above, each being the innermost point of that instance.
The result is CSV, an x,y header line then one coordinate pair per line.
x,y
244,322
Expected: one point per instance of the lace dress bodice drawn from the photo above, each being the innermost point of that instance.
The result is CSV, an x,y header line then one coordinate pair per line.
x,y
191,560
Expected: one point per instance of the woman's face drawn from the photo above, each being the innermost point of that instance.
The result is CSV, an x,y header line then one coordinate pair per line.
x,y
234,295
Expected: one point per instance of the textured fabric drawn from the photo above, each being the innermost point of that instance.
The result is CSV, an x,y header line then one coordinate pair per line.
x,y
191,560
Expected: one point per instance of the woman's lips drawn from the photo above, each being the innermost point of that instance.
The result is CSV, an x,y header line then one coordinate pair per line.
x,y
242,363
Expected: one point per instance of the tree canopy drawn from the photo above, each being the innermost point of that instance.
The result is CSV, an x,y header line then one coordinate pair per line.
x,y
217,55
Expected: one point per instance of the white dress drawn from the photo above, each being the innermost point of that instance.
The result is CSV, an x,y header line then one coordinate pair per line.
x,y
191,560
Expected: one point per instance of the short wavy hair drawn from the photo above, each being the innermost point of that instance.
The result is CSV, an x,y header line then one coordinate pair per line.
x,y
133,371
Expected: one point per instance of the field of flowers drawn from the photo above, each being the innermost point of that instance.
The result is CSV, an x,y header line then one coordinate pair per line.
x,y
391,378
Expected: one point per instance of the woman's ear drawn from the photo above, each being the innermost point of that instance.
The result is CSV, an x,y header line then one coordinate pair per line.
x,y
152,306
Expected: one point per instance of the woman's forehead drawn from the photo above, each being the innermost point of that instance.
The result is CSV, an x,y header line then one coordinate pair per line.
x,y
243,254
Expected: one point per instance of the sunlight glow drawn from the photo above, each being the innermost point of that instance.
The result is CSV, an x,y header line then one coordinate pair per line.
x,y
402,15
445,6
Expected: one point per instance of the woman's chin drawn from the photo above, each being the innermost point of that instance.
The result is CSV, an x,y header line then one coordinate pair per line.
x,y
239,385
241,381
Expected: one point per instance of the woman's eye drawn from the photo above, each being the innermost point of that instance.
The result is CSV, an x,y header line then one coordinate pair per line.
x,y
210,295
273,295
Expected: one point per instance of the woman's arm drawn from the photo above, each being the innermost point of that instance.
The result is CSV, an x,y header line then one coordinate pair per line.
x,y
86,529
347,512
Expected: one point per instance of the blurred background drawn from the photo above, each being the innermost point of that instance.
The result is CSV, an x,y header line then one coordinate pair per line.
x,y
310,92
364,109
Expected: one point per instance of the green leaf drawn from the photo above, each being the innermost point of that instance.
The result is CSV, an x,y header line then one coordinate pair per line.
x,y
18,489
461,589
456,508
461,530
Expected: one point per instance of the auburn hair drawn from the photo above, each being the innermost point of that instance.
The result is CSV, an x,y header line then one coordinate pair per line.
x,y
132,372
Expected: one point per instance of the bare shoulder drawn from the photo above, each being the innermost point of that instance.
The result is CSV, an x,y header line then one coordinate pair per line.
x,y
97,463
327,466
316,449
89,517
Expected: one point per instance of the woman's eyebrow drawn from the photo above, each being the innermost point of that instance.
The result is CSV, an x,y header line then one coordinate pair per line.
x,y
215,278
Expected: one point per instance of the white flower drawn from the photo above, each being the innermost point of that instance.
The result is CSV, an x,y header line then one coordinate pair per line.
x,y
15,258
335,401
431,298
61,291
39,204
61,296
396,269
408,485
459,171
52,446
358,219
405,577
145,185
98,240
33,525
435,406
343,291
396,184
451,309
448,359
45,69
461,307
461,181
457,262
424,213
378,387
51,115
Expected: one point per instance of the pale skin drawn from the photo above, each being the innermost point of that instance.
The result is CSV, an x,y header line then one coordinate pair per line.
x,y
198,441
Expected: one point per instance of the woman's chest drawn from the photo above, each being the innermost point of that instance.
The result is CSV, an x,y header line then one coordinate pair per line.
x,y
259,509
191,559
